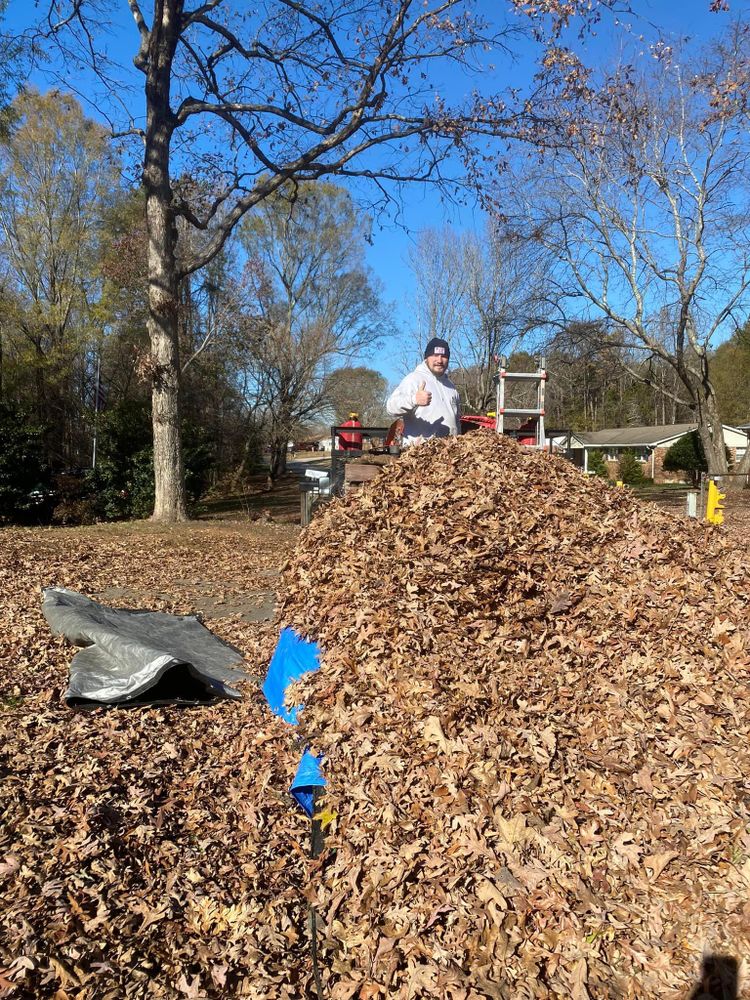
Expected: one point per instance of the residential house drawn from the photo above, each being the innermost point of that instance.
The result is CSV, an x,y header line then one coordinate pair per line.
x,y
650,445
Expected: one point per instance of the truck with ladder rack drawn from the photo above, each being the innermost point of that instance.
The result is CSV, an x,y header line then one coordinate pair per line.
x,y
531,431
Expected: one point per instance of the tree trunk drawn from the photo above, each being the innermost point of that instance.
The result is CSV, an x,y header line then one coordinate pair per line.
x,y
278,457
169,480
710,429
252,456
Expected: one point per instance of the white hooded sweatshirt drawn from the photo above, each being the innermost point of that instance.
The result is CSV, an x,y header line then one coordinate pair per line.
x,y
440,419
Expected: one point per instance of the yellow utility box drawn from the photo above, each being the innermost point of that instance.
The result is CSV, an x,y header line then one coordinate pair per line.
x,y
714,506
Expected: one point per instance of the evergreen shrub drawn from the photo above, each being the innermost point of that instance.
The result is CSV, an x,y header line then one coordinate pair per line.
x,y
630,469
597,464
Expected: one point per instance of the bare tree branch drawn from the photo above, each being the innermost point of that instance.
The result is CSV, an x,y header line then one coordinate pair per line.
x,y
648,211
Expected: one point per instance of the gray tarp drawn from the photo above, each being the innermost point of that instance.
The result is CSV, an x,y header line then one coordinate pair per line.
x,y
129,654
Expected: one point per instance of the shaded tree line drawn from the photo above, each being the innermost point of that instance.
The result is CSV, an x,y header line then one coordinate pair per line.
x,y
266,330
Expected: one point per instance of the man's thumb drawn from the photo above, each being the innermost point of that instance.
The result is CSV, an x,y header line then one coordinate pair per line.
x,y
422,386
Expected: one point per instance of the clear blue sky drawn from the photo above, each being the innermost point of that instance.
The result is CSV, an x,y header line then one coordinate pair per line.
x,y
388,255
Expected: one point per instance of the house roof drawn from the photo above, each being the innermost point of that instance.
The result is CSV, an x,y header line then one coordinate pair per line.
x,y
629,437
644,437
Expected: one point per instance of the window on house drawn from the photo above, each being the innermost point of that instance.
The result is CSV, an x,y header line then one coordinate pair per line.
x,y
615,454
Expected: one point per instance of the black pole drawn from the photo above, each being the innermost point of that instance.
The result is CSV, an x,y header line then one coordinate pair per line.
x,y
317,837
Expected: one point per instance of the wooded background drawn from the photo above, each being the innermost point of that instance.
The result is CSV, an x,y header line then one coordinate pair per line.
x,y
194,320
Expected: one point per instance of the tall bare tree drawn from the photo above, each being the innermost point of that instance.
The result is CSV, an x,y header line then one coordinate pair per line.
x,y
508,305
315,303
647,211
441,279
484,293
290,90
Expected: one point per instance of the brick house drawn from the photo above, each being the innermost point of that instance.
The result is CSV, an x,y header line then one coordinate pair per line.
x,y
650,445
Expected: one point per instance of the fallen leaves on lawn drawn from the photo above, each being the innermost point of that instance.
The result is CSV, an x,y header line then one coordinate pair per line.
x,y
144,852
533,702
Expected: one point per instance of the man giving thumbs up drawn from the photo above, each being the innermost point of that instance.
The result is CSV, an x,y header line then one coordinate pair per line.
x,y
426,399
422,397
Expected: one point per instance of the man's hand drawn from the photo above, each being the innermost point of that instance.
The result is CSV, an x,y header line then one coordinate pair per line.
x,y
422,397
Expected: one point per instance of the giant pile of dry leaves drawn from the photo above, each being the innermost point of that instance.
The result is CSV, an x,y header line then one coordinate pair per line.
x,y
534,707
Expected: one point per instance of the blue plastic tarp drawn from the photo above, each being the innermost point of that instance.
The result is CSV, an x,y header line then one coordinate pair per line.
x,y
292,658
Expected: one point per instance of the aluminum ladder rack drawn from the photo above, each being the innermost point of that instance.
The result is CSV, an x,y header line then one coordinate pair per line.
x,y
503,411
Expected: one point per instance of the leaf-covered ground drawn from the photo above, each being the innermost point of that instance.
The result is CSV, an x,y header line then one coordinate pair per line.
x,y
534,707
145,852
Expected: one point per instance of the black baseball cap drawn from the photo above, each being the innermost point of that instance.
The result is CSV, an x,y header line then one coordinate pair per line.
x,y
439,347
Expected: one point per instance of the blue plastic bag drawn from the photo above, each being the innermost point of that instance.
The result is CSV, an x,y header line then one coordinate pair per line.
x,y
308,776
292,658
